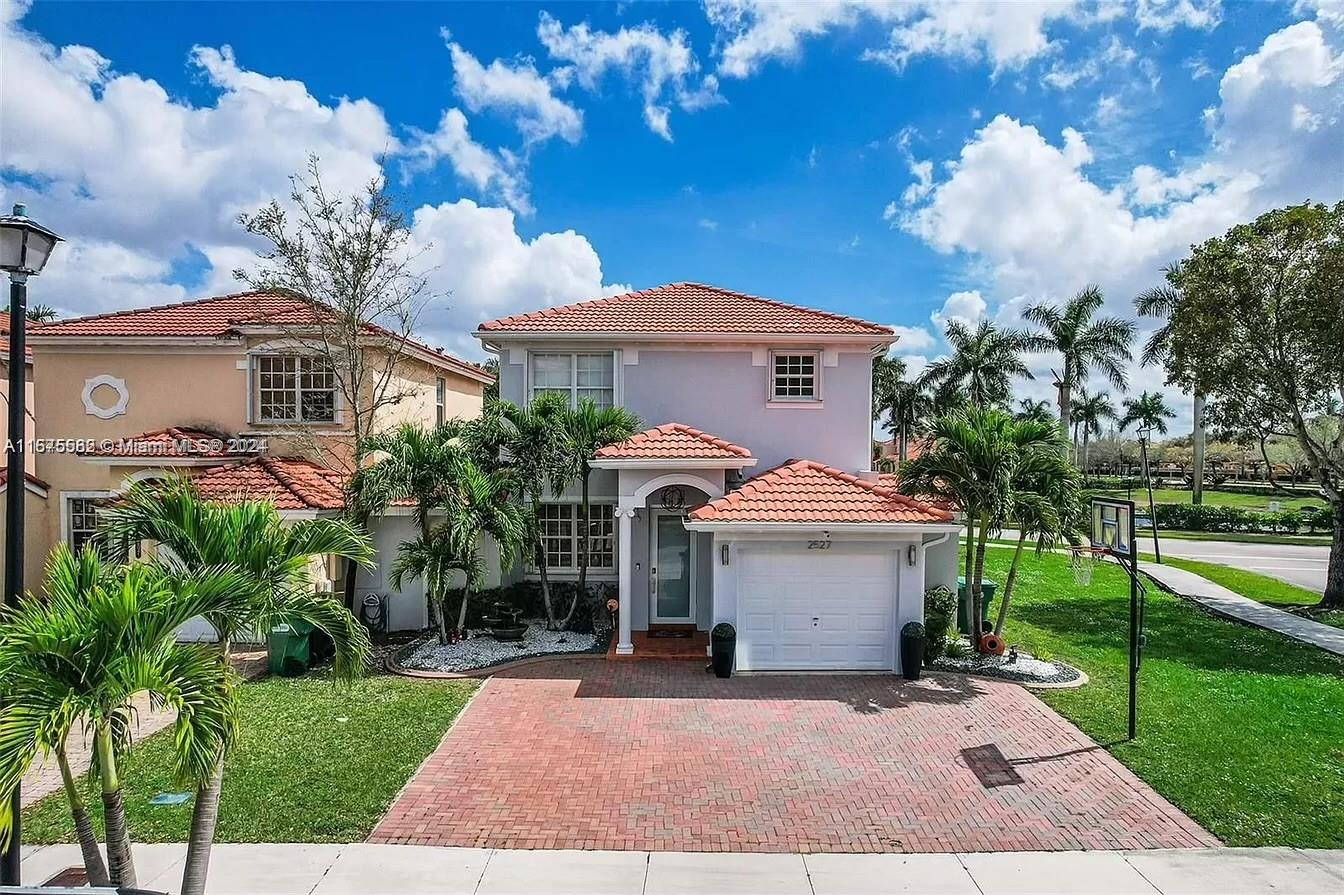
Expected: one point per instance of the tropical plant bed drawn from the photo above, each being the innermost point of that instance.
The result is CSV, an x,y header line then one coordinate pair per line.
x,y
1019,668
480,650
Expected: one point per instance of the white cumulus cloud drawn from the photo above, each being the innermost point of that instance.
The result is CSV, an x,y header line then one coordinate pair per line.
x,y
518,91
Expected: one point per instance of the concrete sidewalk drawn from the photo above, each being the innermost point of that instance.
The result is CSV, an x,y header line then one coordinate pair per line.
x,y
1233,605
422,870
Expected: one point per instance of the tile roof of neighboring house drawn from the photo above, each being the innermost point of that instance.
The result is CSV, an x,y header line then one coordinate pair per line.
x,y
287,482
175,442
4,335
892,449
891,481
673,441
687,308
218,317
811,492
32,479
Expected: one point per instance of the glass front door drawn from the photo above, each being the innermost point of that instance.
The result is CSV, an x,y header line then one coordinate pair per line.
x,y
671,577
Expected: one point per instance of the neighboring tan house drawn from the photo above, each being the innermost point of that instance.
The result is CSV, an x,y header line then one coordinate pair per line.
x,y
227,390
35,507
750,499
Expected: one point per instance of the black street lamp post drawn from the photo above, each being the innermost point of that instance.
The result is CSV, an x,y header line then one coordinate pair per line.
x,y
25,246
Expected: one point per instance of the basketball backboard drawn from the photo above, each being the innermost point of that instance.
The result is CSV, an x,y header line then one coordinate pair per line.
x,y
1113,525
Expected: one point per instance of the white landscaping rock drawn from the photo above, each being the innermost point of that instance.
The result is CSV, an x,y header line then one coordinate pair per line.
x,y
480,650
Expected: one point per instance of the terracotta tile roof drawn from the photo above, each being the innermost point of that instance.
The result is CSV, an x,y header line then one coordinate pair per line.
x,y
289,483
673,441
891,481
686,308
218,317
176,442
32,479
808,491
4,335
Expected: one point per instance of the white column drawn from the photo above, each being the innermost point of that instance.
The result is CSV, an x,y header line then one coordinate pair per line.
x,y
625,645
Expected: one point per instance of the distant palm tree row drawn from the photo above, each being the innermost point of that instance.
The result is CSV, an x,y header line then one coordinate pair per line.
x,y
985,358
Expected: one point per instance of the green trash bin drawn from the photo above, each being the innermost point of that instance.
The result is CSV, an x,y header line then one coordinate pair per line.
x,y
987,589
289,646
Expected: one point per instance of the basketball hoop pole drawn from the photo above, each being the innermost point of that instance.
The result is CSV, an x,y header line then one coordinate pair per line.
x,y
1121,534
1135,638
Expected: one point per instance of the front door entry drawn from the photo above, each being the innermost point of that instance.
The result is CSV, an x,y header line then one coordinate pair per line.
x,y
672,574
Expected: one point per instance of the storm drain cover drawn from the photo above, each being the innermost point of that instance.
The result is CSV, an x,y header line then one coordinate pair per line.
x,y
990,766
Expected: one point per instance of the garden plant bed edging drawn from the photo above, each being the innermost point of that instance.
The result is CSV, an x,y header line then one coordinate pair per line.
x,y
426,657
1027,670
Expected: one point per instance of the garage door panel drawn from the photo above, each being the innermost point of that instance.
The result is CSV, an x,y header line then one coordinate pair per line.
x,y
801,609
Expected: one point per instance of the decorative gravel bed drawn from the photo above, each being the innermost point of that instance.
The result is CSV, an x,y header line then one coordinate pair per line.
x,y
480,650
1022,668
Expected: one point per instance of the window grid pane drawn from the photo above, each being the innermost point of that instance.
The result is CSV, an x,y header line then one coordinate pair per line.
x,y
575,376
557,534
601,536
795,376
561,534
83,521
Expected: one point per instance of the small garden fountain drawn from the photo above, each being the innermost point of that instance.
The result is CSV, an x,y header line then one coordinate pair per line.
x,y
504,623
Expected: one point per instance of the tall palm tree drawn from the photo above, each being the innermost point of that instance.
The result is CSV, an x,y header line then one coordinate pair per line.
x,y
1086,345
905,402
1148,411
1160,302
984,360
1090,413
1029,409
533,438
412,463
973,459
274,558
84,651
586,429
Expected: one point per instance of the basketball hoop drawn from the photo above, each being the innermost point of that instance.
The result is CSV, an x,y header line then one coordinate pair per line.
x,y
1083,559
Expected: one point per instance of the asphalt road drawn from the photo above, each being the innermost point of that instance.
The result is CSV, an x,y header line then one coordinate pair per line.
x,y
1296,564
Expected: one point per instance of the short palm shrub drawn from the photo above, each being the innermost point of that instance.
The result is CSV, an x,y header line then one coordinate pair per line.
x,y
940,610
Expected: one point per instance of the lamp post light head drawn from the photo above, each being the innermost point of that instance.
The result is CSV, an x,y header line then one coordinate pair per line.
x,y
25,245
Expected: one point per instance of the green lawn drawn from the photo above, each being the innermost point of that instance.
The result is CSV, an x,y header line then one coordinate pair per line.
x,y
1146,538
1218,498
315,763
1263,589
1242,728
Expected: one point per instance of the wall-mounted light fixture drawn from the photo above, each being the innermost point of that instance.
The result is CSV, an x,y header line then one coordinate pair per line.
x,y
723,554
911,554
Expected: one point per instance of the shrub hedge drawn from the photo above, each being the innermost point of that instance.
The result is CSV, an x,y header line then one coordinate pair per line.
x,y
590,614
1205,517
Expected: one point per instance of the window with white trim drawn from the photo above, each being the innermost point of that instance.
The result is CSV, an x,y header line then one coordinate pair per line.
x,y
81,520
576,376
561,524
294,388
794,376
440,400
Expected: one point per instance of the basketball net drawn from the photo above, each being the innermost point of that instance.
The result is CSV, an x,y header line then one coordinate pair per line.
x,y
1083,559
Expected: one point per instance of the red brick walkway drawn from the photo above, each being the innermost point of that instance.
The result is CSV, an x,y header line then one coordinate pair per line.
x,y
661,756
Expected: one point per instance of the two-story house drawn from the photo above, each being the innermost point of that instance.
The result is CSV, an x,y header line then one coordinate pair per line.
x,y
229,390
750,499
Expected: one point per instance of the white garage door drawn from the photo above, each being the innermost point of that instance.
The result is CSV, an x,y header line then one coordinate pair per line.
x,y
800,609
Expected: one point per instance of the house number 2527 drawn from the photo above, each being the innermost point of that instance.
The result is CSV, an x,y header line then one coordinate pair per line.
x,y
818,545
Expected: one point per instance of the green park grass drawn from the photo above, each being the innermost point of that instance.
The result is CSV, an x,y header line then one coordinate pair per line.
x,y
1263,589
315,762
1241,728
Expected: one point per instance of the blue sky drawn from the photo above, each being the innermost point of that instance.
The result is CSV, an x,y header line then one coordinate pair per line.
x,y
904,162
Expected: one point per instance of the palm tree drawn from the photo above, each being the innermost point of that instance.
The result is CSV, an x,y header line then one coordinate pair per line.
x,y
1160,302
1090,413
413,463
1148,411
274,559
533,439
41,314
905,402
972,461
98,638
1086,345
587,428
983,362
1033,410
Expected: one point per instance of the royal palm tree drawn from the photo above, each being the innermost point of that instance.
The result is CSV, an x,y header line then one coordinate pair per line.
x,y
1086,345
905,402
97,639
1148,411
972,461
1089,413
586,429
984,360
533,439
274,557
1028,409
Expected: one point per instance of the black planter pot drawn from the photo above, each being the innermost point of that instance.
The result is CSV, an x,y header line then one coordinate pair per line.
x,y
722,648
912,650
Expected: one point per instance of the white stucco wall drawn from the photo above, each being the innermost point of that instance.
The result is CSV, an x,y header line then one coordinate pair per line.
x,y
406,607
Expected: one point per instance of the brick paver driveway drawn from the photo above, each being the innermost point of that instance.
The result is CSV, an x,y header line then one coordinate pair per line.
x,y
661,756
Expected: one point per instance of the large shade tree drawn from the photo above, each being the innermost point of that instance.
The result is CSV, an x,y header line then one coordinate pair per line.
x,y
1256,324
1086,344
983,363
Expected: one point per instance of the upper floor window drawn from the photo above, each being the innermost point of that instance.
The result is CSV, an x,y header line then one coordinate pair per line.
x,y
794,376
295,388
440,400
576,376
